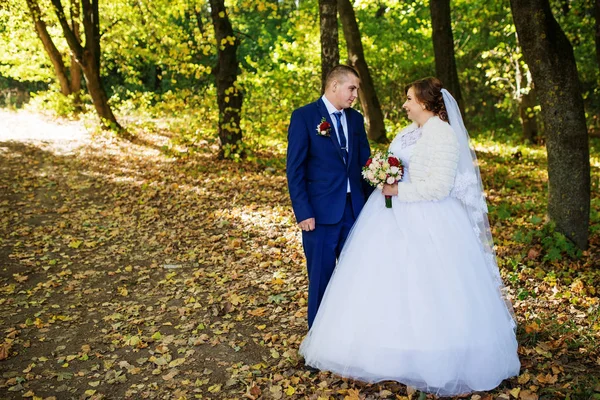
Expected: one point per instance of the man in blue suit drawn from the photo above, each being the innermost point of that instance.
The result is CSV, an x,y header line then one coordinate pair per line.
x,y
327,148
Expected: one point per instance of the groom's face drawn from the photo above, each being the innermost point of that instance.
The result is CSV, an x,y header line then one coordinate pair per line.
x,y
345,91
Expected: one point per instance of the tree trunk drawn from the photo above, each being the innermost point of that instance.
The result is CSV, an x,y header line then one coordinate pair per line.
x,y
367,94
88,57
597,7
528,118
157,77
550,58
229,97
330,52
55,57
76,73
565,7
198,13
443,47
99,98
285,7
527,101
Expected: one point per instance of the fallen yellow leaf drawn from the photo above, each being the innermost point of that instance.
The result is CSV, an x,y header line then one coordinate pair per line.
x,y
290,390
523,378
533,327
528,395
353,394
215,388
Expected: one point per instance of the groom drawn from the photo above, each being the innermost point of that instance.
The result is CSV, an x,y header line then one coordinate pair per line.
x,y
327,147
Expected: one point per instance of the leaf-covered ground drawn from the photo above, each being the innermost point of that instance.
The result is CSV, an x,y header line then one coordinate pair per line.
x,y
140,270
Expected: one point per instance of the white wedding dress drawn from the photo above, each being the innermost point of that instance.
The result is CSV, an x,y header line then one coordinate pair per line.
x,y
411,300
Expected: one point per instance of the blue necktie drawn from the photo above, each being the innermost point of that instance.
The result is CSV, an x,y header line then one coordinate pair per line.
x,y
341,135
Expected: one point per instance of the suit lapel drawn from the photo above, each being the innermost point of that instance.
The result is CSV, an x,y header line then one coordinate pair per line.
x,y
325,114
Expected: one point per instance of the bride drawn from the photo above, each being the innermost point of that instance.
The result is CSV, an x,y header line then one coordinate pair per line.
x,y
416,296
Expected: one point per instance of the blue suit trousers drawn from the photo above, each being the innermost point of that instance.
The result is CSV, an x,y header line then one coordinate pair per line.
x,y
322,248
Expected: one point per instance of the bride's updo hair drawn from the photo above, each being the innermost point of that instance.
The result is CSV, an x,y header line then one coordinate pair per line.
x,y
429,93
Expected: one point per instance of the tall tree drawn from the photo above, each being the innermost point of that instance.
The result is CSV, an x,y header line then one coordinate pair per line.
x,y
525,94
60,69
597,12
443,47
229,97
88,57
330,52
550,57
527,115
75,67
285,7
356,57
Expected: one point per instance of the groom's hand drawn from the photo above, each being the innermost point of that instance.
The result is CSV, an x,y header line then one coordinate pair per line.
x,y
307,224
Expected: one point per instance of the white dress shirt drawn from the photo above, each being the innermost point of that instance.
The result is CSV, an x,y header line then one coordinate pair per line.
x,y
332,110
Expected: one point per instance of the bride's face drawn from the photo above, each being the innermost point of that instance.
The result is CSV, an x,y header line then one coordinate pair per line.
x,y
414,109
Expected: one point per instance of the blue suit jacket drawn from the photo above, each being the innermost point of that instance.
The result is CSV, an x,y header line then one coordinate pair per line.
x,y
316,173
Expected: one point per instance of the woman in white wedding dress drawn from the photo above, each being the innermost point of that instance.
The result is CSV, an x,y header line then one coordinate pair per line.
x,y
416,296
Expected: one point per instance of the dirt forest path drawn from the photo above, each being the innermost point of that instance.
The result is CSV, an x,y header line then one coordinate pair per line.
x,y
129,273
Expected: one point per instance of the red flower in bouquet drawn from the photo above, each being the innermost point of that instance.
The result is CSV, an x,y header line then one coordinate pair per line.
x,y
394,162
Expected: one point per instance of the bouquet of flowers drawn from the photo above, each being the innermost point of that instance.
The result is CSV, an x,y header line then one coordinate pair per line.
x,y
381,169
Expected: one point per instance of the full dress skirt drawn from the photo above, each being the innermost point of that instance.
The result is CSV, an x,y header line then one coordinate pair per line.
x,y
411,300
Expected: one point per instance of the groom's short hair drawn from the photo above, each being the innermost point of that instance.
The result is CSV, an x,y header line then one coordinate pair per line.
x,y
339,73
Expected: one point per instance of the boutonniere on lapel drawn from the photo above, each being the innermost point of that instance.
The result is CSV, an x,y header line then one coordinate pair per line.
x,y
324,128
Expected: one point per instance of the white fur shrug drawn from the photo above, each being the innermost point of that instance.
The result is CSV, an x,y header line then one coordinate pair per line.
x,y
432,164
